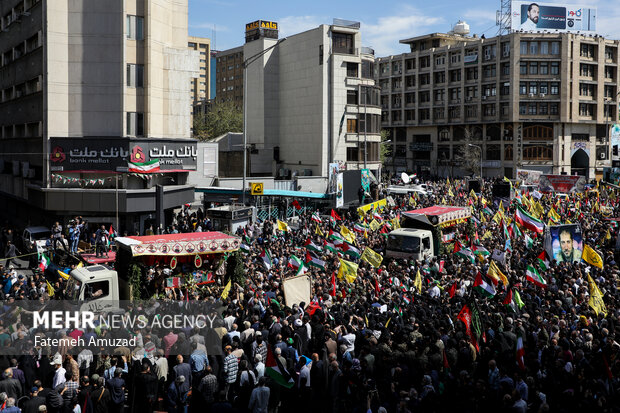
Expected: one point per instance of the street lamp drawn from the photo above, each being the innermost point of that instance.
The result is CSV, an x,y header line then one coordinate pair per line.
x,y
247,62
479,148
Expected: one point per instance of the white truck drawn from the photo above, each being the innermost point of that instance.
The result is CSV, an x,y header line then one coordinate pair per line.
x,y
416,244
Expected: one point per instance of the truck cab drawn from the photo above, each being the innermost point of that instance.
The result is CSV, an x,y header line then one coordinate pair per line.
x,y
410,243
97,287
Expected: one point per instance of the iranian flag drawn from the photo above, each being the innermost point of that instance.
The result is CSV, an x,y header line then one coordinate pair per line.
x,y
312,246
543,261
45,262
359,228
464,252
315,262
144,167
277,372
316,218
483,287
480,250
533,276
266,259
350,250
526,220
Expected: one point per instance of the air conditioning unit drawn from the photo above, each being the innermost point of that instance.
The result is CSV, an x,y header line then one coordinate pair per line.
x,y
531,95
542,95
505,54
484,98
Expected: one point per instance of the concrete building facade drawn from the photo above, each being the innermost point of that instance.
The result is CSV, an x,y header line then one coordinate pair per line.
x,y
201,86
538,101
229,76
311,101
86,87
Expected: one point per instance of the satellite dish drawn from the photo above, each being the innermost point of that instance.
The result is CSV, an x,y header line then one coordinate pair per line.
x,y
405,178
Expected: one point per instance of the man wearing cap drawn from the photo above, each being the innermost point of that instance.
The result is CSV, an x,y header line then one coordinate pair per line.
x,y
59,375
32,405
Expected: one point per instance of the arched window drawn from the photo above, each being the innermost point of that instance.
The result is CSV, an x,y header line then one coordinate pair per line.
x,y
508,153
537,132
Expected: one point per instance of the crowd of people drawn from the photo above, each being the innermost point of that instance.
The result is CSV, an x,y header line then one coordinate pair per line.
x,y
377,344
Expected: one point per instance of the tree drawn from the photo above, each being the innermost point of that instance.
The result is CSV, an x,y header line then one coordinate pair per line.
x,y
221,117
469,156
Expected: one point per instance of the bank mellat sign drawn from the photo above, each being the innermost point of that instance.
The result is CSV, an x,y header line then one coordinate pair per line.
x,y
114,154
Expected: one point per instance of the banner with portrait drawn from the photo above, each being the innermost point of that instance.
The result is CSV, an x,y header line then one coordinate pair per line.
x,y
564,243
339,190
332,177
562,183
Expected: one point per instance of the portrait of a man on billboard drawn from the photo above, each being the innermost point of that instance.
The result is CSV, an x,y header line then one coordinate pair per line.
x,y
566,243
533,13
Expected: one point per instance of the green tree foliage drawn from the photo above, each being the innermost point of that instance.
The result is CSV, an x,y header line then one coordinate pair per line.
x,y
385,147
234,268
222,117
469,156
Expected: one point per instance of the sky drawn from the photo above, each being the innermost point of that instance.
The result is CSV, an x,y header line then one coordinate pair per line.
x,y
383,23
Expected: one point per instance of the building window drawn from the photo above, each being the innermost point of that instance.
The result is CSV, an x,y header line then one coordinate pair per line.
x,y
505,69
410,64
538,153
544,47
135,75
553,108
522,88
368,69
135,27
351,97
135,124
523,47
542,108
351,69
523,68
555,47
343,43
543,87
489,71
586,110
533,68
555,88
531,109
555,68
508,153
586,50
533,88
494,152
533,47
522,108
471,111
351,125
543,68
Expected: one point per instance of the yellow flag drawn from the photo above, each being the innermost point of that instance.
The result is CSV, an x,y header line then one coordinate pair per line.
x,y
50,289
366,233
591,257
495,273
568,222
608,235
447,181
80,264
318,231
371,257
539,209
553,215
411,200
374,225
395,223
443,200
64,275
596,298
348,235
450,192
226,290
501,206
418,282
347,270
487,235
472,194
497,217
483,200
526,201
283,226
509,181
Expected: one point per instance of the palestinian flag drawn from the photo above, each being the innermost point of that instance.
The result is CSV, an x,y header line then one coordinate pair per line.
x,y
350,250
376,215
533,276
312,246
315,262
331,247
277,372
316,218
526,220
477,249
266,259
295,262
144,167
335,236
509,303
543,261
483,287
245,248
45,262
487,211
335,216
464,252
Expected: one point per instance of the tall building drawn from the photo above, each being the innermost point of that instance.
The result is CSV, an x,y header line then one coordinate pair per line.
x,y
88,87
201,86
536,101
229,76
311,100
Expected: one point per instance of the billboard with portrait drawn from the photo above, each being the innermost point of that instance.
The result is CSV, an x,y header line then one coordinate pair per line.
x,y
564,243
534,16
332,177
528,177
562,183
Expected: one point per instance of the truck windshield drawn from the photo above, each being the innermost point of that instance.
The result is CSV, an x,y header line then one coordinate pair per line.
x,y
403,243
72,290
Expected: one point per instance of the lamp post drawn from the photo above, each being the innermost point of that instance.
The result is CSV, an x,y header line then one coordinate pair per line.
x,y
480,149
247,62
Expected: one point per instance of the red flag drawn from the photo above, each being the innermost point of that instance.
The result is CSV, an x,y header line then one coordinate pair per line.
x,y
336,216
312,308
452,289
457,247
111,230
333,294
296,205
377,289
441,263
446,365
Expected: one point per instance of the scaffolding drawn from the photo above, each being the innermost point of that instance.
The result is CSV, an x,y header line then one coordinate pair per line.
x,y
503,17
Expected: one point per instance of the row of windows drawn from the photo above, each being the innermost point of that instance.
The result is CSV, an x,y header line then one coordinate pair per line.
x,y
539,68
535,88
536,47
22,89
23,48
538,108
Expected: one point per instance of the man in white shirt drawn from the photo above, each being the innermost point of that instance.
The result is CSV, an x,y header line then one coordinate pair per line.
x,y
59,375
533,12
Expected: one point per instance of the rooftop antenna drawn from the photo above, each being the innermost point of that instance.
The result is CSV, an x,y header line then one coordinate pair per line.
x,y
503,17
